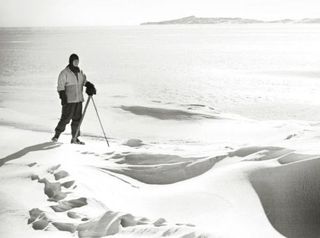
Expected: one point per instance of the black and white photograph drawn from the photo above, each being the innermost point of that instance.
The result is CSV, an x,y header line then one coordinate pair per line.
x,y
159,118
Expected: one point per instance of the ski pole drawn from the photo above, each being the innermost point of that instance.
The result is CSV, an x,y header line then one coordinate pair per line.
x,y
100,122
84,112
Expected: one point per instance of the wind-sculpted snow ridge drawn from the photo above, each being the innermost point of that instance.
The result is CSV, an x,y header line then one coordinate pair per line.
x,y
64,216
290,194
289,190
146,189
260,153
162,168
167,114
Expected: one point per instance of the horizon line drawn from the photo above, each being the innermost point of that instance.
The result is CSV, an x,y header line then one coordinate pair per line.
x,y
139,24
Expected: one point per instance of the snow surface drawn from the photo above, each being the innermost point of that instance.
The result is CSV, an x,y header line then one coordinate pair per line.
x,y
135,188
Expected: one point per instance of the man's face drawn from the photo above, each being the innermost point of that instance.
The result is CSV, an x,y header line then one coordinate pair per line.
x,y
75,63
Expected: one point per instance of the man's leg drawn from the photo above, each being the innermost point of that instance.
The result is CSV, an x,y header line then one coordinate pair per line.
x,y
76,118
66,116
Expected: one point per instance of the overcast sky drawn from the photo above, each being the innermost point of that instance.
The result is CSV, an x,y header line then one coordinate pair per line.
x,y
132,12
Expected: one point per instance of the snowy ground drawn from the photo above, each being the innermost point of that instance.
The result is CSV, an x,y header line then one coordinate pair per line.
x,y
210,132
266,187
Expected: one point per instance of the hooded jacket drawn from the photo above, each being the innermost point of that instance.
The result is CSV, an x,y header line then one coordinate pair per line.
x,y
72,85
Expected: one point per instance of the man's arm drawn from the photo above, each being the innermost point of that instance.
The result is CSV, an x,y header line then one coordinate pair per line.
x,y
61,88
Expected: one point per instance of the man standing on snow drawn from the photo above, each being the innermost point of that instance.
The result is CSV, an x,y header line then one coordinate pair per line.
x,y
70,86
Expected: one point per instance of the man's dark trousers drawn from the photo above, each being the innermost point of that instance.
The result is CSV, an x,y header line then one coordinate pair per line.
x,y
70,111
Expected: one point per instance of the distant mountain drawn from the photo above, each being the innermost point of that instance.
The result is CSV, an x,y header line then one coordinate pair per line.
x,y
310,20
227,20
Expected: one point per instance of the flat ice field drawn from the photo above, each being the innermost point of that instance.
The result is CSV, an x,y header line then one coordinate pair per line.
x,y
213,130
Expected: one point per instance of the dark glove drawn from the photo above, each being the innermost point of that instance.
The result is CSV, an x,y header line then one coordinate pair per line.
x,y
63,97
90,89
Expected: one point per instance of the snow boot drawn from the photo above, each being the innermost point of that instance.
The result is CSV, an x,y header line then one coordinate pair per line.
x,y
77,141
55,137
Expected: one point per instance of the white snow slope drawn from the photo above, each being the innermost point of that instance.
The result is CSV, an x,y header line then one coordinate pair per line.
x,y
140,189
